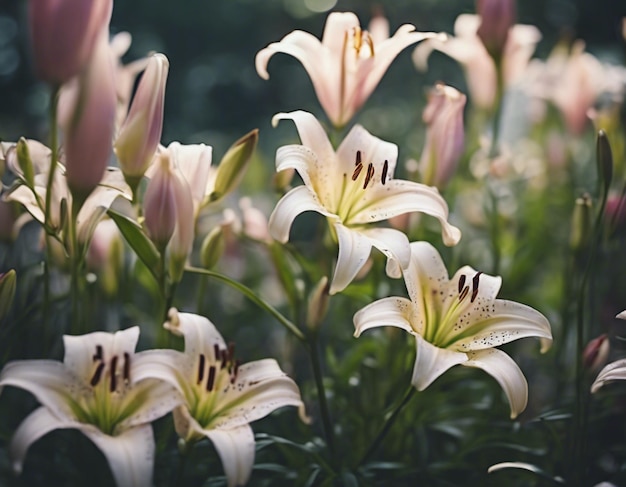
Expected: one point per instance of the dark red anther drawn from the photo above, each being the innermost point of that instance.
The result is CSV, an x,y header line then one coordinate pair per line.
x,y
112,371
357,171
201,364
369,175
475,280
358,158
211,380
461,282
383,179
126,366
99,355
97,375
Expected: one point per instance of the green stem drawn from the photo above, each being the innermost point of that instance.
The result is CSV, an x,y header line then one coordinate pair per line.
x,y
321,394
246,291
180,472
75,263
388,424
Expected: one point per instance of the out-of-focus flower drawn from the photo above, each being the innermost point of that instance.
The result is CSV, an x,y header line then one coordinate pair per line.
x,y
445,136
353,187
105,390
140,134
480,69
7,220
221,397
582,223
105,255
91,212
64,33
7,291
347,65
87,117
596,353
255,225
457,321
613,371
497,17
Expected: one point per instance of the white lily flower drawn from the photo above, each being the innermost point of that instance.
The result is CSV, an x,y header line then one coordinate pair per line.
x,y
102,388
613,371
220,396
92,211
457,321
348,63
353,187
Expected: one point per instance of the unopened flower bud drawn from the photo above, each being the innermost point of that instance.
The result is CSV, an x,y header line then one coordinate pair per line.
x,y
105,255
233,165
282,179
63,35
25,162
141,132
7,291
596,353
255,225
318,304
582,221
445,136
497,17
212,248
159,203
604,159
87,119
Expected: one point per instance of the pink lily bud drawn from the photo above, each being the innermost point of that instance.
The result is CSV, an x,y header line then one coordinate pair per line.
x,y
159,202
141,132
497,17
596,353
445,136
64,34
87,116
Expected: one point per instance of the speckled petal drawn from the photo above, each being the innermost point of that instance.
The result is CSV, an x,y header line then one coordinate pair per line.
x,y
354,250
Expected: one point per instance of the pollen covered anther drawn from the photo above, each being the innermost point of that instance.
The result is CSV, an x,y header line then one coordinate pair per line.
x,y
201,364
369,175
113,373
211,380
126,372
383,178
97,375
462,279
475,280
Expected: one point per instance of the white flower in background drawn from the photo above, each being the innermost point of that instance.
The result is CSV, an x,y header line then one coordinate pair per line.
x,y
457,321
102,388
347,65
353,187
221,397
480,69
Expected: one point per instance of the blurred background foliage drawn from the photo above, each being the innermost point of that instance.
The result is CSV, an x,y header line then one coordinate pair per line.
x,y
457,428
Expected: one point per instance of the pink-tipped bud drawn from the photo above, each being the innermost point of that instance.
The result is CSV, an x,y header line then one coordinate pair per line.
x,y
445,136
141,132
497,17
159,202
596,353
87,116
63,35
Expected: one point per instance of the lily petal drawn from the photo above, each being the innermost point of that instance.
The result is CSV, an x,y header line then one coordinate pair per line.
x,y
354,250
200,334
130,454
394,244
311,132
36,425
48,380
397,197
296,201
236,450
431,362
504,369
613,371
261,387
384,312
80,350
373,150
503,322
426,270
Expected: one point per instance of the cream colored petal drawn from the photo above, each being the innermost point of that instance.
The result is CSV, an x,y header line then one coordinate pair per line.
x,y
148,401
613,371
236,450
504,369
200,334
296,201
36,425
130,454
48,380
490,324
373,150
311,133
354,250
431,362
384,312
194,163
398,197
80,350
261,387
392,243
426,274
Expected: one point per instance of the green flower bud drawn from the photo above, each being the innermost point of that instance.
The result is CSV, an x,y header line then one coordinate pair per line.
x,y
318,304
582,222
25,162
212,248
7,291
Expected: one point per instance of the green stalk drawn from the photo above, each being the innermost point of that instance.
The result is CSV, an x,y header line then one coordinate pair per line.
x,y
321,393
249,293
388,424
